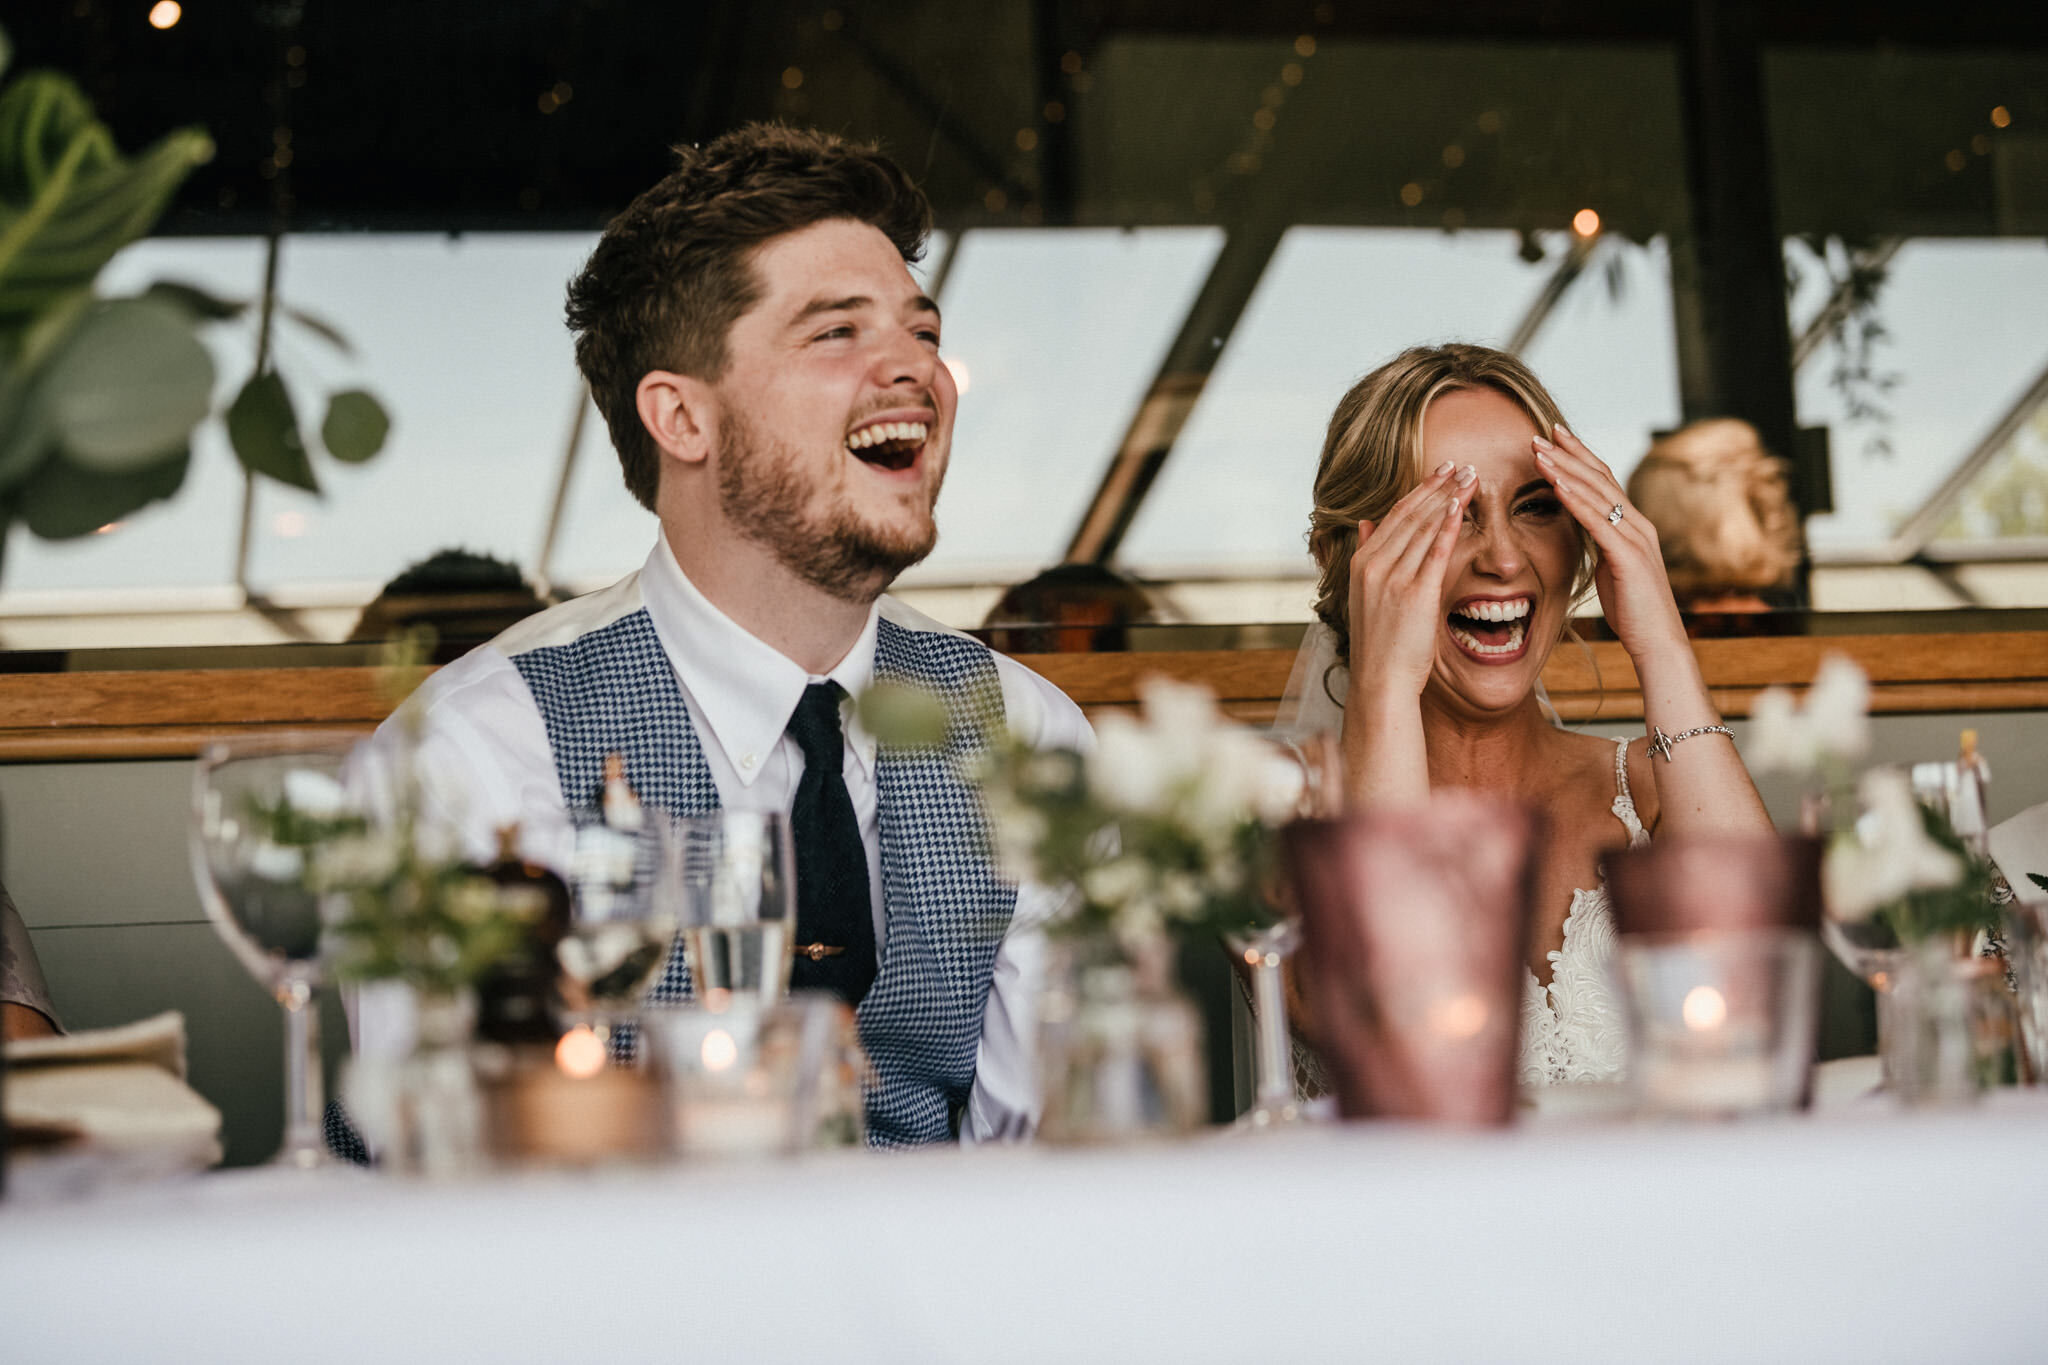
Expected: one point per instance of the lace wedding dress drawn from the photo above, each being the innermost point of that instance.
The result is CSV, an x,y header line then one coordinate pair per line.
x,y
1572,1030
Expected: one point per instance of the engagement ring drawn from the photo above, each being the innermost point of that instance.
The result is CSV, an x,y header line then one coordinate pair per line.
x,y
1614,517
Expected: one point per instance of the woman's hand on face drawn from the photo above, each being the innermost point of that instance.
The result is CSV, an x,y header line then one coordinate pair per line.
x,y
1635,591
1397,581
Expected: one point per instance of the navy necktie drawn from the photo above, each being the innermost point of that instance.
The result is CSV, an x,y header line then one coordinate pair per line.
x,y
835,927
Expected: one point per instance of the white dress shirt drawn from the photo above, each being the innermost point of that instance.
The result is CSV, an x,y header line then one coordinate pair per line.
x,y
484,761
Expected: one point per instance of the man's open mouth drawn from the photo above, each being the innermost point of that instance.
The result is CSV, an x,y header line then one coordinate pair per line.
x,y
1490,626
888,445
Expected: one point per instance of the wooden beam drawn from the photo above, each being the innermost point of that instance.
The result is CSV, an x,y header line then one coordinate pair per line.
x,y
173,713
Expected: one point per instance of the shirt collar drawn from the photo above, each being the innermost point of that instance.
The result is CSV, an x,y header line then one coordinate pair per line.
x,y
745,689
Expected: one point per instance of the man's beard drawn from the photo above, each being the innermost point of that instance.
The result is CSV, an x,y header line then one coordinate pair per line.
x,y
765,497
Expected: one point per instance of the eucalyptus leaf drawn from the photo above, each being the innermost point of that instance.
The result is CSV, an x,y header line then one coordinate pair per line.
x,y
63,500
27,437
198,302
265,433
356,426
321,328
129,386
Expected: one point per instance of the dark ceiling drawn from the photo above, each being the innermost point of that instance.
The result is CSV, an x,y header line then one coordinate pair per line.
x,y
494,114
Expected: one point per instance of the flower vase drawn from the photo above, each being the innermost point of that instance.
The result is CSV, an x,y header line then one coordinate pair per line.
x,y
1119,1045
1946,1028
416,1098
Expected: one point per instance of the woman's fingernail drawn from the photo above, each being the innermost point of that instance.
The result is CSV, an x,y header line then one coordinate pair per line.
x,y
1543,455
1542,444
1444,468
1565,431
1466,476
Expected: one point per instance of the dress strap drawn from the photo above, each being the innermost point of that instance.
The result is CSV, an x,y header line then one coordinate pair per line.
x,y
1624,801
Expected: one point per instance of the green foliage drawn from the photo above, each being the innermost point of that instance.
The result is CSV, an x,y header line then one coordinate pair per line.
x,y
2038,880
436,925
355,428
1962,908
265,433
128,387
63,501
99,397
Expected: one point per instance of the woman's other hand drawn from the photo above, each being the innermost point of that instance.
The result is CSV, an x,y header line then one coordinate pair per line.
x,y
1397,579
1635,591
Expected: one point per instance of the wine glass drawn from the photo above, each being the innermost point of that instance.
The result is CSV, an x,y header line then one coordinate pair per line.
x,y
260,810
1264,950
732,875
620,935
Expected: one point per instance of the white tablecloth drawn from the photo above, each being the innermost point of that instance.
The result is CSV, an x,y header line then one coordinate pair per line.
x,y
1856,1237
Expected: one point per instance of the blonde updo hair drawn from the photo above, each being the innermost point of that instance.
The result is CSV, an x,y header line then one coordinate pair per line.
x,y
1719,502
1372,456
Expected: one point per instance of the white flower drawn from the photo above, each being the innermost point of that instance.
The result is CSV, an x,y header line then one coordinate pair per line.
x,y
1888,855
359,860
1129,770
1018,830
314,793
1118,882
1180,895
1184,714
1833,722
275,862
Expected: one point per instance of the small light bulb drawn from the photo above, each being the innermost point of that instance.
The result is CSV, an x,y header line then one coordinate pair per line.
x,y
1585,222
165,13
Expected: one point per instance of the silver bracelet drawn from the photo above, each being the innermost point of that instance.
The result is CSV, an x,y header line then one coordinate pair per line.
x,y
1661,743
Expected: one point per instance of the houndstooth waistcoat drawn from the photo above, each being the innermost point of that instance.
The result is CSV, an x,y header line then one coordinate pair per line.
x,y
945,909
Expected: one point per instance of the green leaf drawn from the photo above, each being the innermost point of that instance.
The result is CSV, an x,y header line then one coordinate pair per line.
x,y
356,426
196,301
2038,880
68,199
321,328
129,386
265,433
27,437
63,501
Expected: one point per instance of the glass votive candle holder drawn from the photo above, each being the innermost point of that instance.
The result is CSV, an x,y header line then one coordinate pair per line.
x,y
744,1078
1721,1022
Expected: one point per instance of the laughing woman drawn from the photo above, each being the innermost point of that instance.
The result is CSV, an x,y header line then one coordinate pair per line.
x,y
1456,523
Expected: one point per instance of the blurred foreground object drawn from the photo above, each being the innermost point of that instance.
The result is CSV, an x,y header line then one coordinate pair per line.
x,y
1724,519
1415,925
113,1104
24,995
1720,971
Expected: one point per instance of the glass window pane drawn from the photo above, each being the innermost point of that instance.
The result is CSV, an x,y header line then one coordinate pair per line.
x,y
462,339
1956,352
1334,303
1057,333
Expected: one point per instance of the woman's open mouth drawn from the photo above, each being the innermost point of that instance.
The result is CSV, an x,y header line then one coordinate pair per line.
x,y
891,446
1492,630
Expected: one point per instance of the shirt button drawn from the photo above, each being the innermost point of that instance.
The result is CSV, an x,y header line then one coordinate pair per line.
x,y
748,761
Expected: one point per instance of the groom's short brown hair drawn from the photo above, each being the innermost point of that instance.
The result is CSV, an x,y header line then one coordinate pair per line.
x,y
672,273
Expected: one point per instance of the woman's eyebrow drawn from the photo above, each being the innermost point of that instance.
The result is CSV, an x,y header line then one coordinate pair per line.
x,y
1532,486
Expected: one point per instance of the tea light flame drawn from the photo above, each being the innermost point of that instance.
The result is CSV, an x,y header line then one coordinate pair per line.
x,y
580,1054
1458,1016
719,1051
1704,1009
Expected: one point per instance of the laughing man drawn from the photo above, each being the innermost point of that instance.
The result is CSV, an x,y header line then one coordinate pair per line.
x,y
770,374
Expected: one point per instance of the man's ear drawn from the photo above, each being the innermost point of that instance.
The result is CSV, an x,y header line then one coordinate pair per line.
x,y
680,412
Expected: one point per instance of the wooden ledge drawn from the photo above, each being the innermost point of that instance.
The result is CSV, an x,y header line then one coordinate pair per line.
x,y
174,713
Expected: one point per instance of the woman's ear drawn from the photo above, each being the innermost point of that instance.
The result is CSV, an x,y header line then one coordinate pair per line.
x,y
680,413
